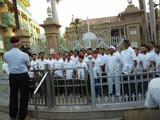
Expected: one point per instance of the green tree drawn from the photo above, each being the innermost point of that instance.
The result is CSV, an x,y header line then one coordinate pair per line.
x,y
76,23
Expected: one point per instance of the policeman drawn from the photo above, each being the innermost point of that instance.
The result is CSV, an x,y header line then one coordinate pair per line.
x,y
18,63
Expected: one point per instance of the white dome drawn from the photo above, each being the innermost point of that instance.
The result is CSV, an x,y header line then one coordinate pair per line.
x,y
89,36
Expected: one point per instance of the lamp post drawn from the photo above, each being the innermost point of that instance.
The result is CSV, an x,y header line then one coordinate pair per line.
x,y
49,12
129,2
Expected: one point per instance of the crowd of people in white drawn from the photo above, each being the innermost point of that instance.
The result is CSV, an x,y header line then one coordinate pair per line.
x,y
110,62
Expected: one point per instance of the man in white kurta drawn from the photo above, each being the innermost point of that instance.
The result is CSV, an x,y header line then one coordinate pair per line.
x,y
113,68
128,58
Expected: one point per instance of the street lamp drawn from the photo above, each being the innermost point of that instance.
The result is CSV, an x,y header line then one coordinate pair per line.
x,y
49,12
129,1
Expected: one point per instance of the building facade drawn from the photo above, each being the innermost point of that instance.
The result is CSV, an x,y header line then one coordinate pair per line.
x,y
109,30
30,29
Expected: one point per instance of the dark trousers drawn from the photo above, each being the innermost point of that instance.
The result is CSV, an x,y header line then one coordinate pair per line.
x,y
18,82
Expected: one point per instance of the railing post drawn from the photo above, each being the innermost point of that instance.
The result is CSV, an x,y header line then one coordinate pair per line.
x,y
36,107
48,87
53,88
93,95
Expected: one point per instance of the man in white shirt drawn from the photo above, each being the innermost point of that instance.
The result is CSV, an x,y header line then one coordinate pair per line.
x,y
69,64
58,65
86,60
147,64
5,68
128,58
157,59
153,96
139,58
147,60
59,74
89,51
34,62
151,46
42,61
97,62
113,67
103,58
51,61
75,57
34,66
129,63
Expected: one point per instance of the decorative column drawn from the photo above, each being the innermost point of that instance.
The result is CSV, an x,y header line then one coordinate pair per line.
x,y
52,34
24,37
131,18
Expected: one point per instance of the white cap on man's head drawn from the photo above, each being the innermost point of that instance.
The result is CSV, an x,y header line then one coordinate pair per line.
x,y
114,48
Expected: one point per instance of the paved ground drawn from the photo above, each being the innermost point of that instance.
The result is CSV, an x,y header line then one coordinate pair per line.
x,y
4,116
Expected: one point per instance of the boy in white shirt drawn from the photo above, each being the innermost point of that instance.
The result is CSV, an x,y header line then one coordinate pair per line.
x,y
98,62
5,68
81,73
95,73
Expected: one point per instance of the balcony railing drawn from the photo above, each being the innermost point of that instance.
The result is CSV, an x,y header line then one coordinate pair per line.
x,y
8,18
1,1
6,15
24,8
26,2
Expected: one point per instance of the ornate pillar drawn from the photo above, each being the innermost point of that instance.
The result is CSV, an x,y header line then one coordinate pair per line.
x,y
131,18
24,37
51,27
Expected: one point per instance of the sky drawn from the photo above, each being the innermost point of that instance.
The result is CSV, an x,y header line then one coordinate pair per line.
x,y
79,8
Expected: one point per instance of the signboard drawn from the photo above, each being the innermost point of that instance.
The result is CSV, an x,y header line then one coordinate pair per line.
x,y
134,44
133,32
51,51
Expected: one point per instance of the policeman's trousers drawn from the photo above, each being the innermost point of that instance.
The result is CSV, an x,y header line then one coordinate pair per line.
x,y
19,82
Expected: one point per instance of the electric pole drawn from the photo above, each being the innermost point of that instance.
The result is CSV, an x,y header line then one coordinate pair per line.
x,y
16,14
152,21
144,21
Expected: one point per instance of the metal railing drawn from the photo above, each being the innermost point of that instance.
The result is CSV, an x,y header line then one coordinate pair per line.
x,y
35,79
4,86
103,42
122,88
70,90
53,90
35,94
